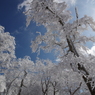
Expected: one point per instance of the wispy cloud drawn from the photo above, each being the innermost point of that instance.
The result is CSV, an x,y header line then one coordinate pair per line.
x,y
91,1
71,2
25,4
86,7
16,32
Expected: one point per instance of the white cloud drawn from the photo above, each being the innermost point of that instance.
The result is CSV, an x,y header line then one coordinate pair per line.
x,y
92,50
88,51
58,60
71,2
16,32
91,1
84,52
25,4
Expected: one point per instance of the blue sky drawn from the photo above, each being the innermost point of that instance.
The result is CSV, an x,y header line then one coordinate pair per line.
x,y
14,22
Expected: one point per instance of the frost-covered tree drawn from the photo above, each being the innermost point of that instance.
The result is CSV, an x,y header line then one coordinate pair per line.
x,y
73,75
18,76
7,48
11,68
7,54
2,83
64,37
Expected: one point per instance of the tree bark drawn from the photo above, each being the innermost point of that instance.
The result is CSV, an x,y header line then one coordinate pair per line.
x,y
81,67
73,50
22,83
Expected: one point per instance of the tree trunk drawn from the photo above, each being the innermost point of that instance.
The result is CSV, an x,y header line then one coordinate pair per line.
x,y
73,50
81,67
22,83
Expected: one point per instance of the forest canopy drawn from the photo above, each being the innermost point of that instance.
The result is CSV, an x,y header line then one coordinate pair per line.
x,y
73,75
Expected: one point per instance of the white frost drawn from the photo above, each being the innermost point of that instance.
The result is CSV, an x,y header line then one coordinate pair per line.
x,y
2,83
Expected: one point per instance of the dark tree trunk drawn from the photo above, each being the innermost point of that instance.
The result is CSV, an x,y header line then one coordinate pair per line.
x,y
81,67
22,83
73,50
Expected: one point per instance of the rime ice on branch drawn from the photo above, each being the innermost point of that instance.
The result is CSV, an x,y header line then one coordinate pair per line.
x,y
63,37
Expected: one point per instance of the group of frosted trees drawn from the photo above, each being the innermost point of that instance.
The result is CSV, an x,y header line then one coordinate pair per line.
x,y
75,72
